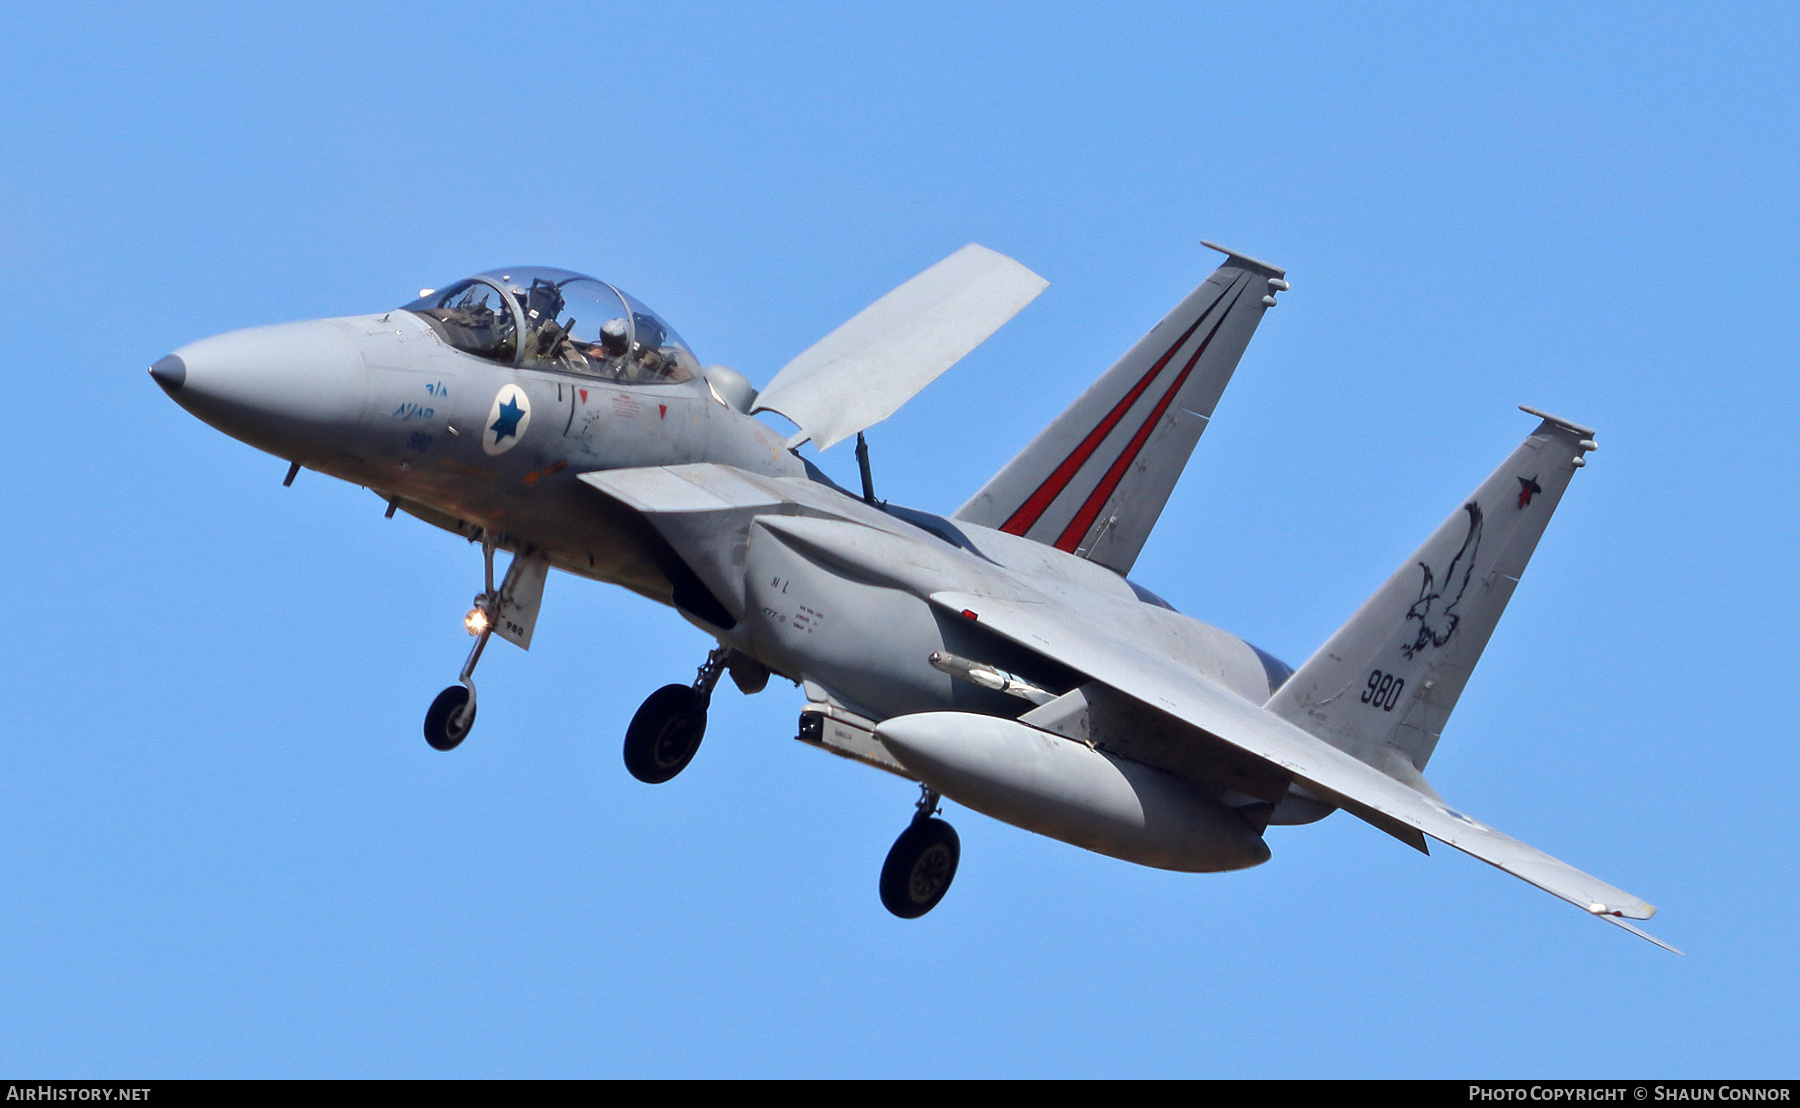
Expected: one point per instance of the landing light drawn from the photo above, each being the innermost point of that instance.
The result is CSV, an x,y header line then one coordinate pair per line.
x,y
476,621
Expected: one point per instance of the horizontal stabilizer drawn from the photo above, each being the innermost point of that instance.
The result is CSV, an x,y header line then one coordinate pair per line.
x,y
1642,934
865,370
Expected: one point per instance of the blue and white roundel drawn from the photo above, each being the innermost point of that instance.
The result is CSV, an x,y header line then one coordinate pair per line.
x,y
507,420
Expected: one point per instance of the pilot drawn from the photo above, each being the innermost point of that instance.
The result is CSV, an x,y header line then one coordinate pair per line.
x,y
615,337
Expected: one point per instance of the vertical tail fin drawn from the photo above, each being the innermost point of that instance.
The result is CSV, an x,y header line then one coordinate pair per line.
x,y
1094,482
1382,687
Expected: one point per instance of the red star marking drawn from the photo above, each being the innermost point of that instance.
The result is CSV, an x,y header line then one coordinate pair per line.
x,y
1528,488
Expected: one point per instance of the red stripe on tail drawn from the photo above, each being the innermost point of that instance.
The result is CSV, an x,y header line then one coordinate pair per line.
x,y
1039,502
1090,509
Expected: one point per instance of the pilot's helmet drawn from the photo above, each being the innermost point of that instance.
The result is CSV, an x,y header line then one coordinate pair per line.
x,y
615,336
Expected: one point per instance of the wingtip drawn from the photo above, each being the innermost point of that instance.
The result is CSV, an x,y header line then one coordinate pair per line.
x,y
1634,909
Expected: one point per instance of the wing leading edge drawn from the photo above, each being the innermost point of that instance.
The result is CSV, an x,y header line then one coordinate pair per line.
x,y
1334,775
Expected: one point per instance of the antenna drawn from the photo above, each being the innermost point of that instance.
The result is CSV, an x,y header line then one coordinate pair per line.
x,y
862,463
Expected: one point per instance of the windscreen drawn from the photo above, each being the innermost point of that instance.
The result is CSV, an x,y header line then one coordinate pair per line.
x,y
472,316
579,324
571,323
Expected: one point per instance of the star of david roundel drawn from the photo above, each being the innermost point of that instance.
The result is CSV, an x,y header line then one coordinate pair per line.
x,y
506,421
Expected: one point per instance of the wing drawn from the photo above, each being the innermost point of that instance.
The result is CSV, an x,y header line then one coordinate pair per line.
x,y
1359,789
865,370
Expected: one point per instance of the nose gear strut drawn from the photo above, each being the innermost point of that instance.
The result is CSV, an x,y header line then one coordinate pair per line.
x,y
452,714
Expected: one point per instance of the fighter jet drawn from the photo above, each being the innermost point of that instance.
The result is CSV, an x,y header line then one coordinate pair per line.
x,y
999,657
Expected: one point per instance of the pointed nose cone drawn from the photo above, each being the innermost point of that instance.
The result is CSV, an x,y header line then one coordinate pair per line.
x,y
170,373
294,389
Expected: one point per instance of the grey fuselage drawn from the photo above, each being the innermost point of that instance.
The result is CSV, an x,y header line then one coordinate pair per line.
x,y
384,402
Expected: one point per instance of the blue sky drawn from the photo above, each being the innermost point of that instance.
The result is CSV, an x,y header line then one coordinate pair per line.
x,y
225,849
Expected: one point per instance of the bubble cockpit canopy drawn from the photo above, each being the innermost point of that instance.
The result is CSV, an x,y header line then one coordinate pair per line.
x,y
554,319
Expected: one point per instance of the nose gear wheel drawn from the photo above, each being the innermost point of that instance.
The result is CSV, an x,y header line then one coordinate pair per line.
x,y
447,724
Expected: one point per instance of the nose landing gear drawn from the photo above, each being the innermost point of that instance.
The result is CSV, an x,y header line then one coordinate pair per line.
x,y
452,714
921,863
666,731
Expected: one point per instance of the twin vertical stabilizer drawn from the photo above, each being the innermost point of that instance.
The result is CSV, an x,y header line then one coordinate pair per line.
x,y
1094,482
1382,687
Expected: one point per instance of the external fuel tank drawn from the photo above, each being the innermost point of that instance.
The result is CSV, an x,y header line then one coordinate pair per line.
x,y
1072,792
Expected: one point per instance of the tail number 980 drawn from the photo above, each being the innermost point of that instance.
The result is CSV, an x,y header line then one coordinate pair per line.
x,y
1383,691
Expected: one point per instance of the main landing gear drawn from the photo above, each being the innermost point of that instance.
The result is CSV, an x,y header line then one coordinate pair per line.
x,y
666,731
922,862
452,714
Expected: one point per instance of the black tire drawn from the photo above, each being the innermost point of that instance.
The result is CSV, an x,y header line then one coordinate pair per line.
x,y
919,868
665,734
441,728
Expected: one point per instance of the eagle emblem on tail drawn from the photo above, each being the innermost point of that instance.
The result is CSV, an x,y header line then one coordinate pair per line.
x,y
1436,607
